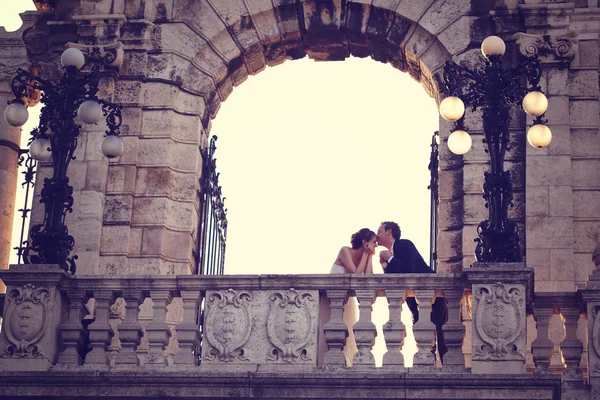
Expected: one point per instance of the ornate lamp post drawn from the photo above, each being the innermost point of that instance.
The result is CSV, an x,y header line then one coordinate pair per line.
x,y
74,94
495,89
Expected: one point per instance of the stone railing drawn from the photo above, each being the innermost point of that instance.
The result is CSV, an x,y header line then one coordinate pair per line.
x,y
287,324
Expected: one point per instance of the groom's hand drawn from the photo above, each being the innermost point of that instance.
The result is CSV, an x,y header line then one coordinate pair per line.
x,y
385,255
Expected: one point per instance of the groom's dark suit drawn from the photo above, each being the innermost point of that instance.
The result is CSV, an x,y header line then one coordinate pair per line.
x,y
408,260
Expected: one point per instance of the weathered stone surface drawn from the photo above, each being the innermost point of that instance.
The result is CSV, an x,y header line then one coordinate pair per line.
x,y
561,201
550,232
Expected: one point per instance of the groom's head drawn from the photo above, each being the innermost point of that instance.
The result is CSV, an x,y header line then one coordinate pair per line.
x,y
388,232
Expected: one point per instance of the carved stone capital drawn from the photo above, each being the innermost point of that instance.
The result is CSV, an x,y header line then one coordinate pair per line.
x,y
109,55
548,47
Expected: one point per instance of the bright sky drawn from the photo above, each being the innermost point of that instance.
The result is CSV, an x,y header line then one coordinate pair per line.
x,y
309,153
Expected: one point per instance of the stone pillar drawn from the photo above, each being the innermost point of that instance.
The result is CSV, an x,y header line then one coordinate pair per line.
x,y
72,331
130,331
335,330
157,330
100,331
424,331
454,333
364,329
188,333
394,332
542,346
501,293
34,305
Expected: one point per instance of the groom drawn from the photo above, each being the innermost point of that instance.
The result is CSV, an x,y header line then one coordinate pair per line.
x,y
402,257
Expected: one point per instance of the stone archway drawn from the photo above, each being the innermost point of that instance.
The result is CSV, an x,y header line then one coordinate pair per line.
x,y
181,59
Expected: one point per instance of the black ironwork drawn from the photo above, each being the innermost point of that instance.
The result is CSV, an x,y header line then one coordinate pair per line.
x,y
30,164
494,89
434,199
212,229
50,241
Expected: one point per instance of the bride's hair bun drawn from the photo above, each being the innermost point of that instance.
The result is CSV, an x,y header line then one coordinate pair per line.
x,y
357,238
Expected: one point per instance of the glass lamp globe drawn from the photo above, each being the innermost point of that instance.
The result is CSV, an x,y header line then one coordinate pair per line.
x,y
493,46
16,114
112,146
459,142
452,108
39,149
90,111
72,58
535,103
539,135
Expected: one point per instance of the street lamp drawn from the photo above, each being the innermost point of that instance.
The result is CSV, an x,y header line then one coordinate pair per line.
x,y
74,94
494,89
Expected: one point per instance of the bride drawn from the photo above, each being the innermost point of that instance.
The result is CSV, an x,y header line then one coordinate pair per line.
x,y
357,259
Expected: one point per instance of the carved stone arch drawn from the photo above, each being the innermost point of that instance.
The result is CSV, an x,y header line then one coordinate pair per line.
x,y
185,57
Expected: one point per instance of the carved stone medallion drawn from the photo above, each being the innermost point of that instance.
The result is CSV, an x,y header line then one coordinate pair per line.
x,y
499,322
26,320
228,325
289,325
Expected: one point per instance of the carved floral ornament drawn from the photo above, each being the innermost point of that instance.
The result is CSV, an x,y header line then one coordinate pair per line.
x,y
290,325
228,325
498,321
562,47
26,320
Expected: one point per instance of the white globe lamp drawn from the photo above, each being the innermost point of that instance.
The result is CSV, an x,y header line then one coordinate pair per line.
x,y
459,142
493,46
72,58
452,108
39,149
539,135
535,103
112,146
16,114
90,112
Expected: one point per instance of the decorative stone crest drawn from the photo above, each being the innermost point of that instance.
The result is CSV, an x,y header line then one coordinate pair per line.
x,y
26,321
595,339
499,322
289,325
562,47
228,325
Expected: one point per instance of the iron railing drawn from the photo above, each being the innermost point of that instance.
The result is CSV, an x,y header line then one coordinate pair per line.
x,y
434,200
30,165
212,229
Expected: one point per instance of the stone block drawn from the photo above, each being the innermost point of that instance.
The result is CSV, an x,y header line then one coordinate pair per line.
x,y
121,179
539,260
586,203
561,140
87,233
162,95
152,241
149,211
450,183
450,244
561,201
135,241
582,83
475,211
583,267
549,232
129,93
585,173
93,145
130,150
537,200
585,142
153,152
451,213
88,262
176,245
79,152
558,110
76,173
115,239
88,205
549,170
183,156
132,121
583,113
170,124
561,265
557,82
179,215
587,235
115,265
588,53
118,209
96,175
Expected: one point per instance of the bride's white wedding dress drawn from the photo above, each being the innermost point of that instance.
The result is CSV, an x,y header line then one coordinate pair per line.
x,y
350,317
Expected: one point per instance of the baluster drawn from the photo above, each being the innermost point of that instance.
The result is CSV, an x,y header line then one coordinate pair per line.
x,y
571,346
72,332
100,331
542,346
394,331
188,332
454,332
157,330
424,331
130,331
335,329
364,329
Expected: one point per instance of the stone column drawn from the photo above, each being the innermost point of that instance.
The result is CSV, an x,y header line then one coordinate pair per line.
x,y
335,329
157,330
501,293
542,346
424,331
454,333
364,330
394,331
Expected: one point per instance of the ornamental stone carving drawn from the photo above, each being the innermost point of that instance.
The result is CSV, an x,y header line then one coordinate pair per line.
x,y
110,55
26,321
290,325
595,340
561,47
498,321
228,325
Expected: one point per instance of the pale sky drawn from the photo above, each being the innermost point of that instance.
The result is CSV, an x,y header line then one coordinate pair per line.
x,y
309,153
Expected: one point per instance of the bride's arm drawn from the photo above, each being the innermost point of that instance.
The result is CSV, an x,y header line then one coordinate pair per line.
x,y
369,268
346,260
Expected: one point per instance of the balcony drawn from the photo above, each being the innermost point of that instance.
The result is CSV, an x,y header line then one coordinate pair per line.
x,y
282,336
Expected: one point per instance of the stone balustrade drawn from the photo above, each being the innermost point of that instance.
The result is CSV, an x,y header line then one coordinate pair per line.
x,y
284,324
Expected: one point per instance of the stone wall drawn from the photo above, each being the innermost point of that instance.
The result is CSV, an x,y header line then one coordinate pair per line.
x,y
181,59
